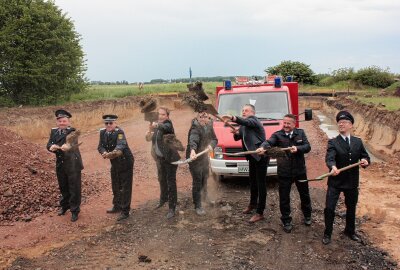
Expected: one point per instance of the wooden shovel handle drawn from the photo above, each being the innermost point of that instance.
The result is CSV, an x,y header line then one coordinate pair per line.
x,y
228,124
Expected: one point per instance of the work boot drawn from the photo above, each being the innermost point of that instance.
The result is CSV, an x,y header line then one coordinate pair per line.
x,y
113,210
124,215
200,211
287,227
62,211
326,240
74,216
171,213
307,221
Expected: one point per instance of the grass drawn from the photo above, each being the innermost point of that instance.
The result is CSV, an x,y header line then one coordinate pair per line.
x,y
391,103
102,92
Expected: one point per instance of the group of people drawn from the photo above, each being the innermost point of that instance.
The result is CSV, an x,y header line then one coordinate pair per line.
x,y
342,150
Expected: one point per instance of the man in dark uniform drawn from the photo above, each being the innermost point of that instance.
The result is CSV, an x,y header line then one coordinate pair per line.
x,y
252,134
343,151
113,146
63,142
201,136
164,155
291,168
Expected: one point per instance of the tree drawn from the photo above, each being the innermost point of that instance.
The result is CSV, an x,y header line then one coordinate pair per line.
x,y
374,76
41,60
300,71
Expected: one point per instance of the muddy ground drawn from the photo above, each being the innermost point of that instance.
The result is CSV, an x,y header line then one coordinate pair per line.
x,y
223,239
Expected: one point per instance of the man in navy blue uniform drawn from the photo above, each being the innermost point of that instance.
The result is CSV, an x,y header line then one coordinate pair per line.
x,y
63,142
252,135
342,151
291,168
114,146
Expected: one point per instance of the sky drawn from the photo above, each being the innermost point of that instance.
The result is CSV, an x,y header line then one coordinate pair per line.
x,y
138,41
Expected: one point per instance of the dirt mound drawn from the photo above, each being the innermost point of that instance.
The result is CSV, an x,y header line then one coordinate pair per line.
x,y
28,184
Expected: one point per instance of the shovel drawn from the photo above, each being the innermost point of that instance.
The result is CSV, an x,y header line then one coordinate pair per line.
x,y
321,177
184,161
268,151
211,110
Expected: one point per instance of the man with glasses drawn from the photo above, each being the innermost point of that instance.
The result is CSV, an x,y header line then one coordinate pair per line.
x,y
63,142
201,136
291,168
342,151
252,134
114,146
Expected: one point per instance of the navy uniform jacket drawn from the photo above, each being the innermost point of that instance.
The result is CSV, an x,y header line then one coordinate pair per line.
x,y
116,140
340,154
168,154
294,164
251,132
199,138
70,160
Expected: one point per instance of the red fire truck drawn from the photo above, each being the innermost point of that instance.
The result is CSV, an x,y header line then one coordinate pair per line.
x,y
271,100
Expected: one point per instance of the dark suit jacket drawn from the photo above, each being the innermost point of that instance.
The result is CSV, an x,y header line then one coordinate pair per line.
x,y
252,134
293,164
199,138
70,160
340,154
168,154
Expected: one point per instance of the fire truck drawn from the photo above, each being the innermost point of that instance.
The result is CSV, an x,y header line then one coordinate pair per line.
x,y
272,100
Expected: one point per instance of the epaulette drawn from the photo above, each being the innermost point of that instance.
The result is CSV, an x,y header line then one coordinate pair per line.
x,y
117,129
54,128
102,128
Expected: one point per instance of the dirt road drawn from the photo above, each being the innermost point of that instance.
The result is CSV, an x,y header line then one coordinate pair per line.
x,y
223,239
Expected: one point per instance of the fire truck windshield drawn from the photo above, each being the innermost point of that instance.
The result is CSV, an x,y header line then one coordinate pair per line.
x,y
269,105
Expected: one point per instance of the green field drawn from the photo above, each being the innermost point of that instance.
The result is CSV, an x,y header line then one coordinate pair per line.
x,y
98,92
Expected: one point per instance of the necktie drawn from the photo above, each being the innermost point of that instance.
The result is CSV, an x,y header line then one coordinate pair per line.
x,y
347,140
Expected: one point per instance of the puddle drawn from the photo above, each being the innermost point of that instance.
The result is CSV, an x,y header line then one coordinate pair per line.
x,y
329,127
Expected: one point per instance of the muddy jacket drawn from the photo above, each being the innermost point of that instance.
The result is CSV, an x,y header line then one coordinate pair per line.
x,y
252,134
70,160
116,140
199,138
293,164
340,154
164,151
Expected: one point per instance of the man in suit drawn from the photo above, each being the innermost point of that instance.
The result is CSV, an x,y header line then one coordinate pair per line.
x,y
291,168
63,142
252,134
201,136
164,154
343,151
114,146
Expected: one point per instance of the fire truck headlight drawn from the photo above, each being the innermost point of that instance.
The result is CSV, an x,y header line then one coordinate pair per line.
x,y
218,153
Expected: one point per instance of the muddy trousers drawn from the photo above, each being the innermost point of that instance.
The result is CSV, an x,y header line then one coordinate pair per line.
x,y
70,188
285,186
121,184
258,183
350,200
167,179
199,171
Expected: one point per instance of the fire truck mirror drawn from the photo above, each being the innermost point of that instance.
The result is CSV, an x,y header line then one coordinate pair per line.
x,y
308,114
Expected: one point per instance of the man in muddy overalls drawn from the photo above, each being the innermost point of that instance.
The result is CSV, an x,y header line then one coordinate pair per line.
x,y
201,137
164,155
343,151
113,146
291,168
63,142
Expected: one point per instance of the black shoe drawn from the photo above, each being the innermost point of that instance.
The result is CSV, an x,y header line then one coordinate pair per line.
x,y
171,213
287,227
307,221
353,236
74,216
123,216
62,211
326,240
113,210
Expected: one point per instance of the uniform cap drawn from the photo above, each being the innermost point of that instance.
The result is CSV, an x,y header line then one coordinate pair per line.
x,y
62,114
344,115
110,117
